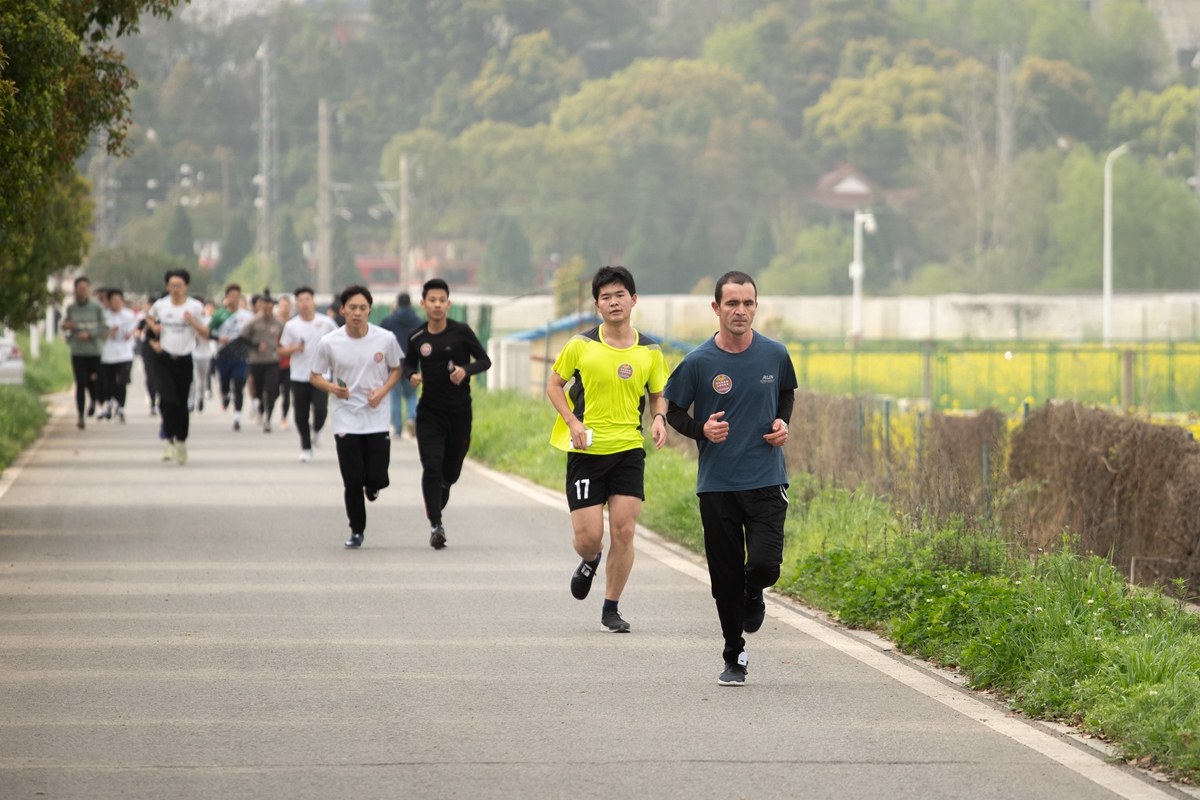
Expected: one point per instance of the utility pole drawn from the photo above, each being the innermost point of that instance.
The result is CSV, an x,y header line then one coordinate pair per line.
x,y
1106,299
405,241
862,220
268,185
1004,146
223,154
324,203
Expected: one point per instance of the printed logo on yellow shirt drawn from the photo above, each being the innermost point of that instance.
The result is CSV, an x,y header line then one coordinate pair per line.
x,y
625,371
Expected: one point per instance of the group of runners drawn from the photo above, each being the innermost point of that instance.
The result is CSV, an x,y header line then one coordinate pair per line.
x,y
733,395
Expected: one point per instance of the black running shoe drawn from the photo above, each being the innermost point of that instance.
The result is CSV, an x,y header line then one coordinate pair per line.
x,y
611,622
756,611
735,672
581,580
437,538
79,423
91,408
237,424
371,494
355,540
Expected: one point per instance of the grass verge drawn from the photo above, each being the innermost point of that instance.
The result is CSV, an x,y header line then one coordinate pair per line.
x,y
1064,637
22,412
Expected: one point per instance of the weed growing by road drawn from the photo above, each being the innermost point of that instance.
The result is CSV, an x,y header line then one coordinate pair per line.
x,y
21,417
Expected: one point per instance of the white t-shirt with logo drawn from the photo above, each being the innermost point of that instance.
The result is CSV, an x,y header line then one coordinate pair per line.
x,y
360,365
118,349
297,330
178,337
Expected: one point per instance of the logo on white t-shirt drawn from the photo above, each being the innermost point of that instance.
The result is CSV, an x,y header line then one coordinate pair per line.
x,y
378,357
722,384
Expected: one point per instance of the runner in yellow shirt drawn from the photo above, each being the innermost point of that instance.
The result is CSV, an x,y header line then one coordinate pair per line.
x,y
611,369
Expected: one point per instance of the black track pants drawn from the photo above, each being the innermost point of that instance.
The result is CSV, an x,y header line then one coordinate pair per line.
x,y
116,380
308,397
266,386
363,459
87,380
174,376
743,540
442,442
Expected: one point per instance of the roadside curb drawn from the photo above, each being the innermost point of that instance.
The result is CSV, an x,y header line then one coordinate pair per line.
x,y
59,409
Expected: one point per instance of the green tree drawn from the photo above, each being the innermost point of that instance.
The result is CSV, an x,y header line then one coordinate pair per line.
x,y
508,261
255,274
1156,226
345,273
180,238
696,258
523,85
650,249
571,287
1058,98
292,264
239,242
68,82
590,253
817,264
133,269
1165,122
759,248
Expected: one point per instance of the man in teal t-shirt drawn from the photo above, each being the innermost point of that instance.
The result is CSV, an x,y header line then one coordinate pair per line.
x,y
85,326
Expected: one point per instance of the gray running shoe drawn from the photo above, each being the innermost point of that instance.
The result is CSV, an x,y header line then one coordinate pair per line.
x,y
756,611
735,673
611,622
437,538
355,540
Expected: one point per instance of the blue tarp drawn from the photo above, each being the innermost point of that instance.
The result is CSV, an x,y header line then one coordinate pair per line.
x,y
584,320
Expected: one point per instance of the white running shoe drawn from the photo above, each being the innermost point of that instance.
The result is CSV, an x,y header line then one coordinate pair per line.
x,y
181,453
306,456
169,452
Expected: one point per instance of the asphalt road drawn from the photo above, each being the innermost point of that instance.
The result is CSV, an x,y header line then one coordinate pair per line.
x,y
200,631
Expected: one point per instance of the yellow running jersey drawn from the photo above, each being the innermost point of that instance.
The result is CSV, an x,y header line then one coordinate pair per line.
x,y
609,392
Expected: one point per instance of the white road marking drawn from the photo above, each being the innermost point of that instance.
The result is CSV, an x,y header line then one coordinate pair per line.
x,y
1081,762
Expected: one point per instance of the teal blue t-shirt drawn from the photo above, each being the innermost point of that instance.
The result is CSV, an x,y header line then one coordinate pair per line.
x,y
746,387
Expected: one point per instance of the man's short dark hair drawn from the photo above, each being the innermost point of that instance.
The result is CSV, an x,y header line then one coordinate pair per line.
x,y
254,298
608,275
233,287
303,290
434,283
350,291
178,273
733,276
403,300
117,293
83,279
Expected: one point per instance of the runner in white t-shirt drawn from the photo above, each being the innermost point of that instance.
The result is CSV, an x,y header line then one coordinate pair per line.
x,y
178,320
300,337
116,354
365,363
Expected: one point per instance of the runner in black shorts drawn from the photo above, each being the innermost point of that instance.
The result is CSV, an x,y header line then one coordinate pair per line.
x,y
742,385
611,369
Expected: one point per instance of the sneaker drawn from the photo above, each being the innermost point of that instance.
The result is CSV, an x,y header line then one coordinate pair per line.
x,y
306,456
581,580
735,673
104,414
200,403
266,427
756,611
191,406
91,408
410,427
79,423
355,540
611,622
237,423
121,415
371,494
169,452
437,537
318,439
181,453
154,411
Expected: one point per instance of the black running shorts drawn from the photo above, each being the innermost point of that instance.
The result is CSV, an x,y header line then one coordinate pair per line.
x,y
591,479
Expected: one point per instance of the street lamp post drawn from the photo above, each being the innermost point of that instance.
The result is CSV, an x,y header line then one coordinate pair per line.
x,y
862,219
1106,303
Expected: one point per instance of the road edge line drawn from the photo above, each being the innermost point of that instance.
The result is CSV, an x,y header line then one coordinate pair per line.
x,y
56,411
1083,763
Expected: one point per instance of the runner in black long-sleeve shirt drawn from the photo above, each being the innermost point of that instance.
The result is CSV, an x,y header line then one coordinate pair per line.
x,y
443,355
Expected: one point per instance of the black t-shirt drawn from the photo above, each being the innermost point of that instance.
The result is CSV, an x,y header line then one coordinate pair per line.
x,y
432,354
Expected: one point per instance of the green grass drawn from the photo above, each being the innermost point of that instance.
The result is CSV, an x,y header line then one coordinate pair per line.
x,y
1064,637
22,412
